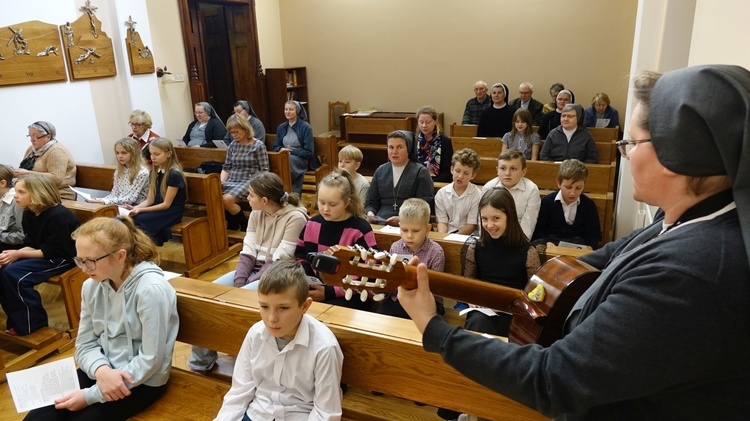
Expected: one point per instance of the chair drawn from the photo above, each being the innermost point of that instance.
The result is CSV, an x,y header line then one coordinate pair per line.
x,y
335,110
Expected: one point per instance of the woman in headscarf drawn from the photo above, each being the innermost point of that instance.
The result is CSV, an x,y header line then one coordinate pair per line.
x,y
497,119
47,155
206,128
244,109
296,136
401,178
552,118
663,332
570,139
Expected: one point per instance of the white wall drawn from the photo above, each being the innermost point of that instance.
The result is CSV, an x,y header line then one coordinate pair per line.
x,y
90,115
268,17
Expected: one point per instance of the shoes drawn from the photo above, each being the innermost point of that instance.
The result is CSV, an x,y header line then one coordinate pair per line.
x,y
11,332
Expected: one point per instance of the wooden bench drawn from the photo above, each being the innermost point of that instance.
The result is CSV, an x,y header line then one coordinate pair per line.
x,y
463,130
40,344
374,347
192,158
204,239
485,147
326,148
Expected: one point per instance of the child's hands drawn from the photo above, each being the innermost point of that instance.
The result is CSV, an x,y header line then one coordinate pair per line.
x,y
73,402
111,383
9,256
317,293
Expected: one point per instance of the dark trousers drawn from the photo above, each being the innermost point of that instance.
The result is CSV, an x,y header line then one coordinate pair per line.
x,y
140,398
20,301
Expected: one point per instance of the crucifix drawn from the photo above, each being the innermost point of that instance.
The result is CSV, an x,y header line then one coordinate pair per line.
x,y
90,10
130,23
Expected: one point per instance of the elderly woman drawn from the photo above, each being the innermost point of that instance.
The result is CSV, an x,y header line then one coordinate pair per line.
x,y
206,128
399,179
601,110
47,155
140,123
296,136
570,139
244,109
552,118
245,156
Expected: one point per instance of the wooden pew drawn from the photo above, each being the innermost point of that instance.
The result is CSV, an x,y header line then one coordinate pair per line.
x,y
326,148
204,239
192,158
374,347
463,130
607,152
485,147
369,135
604,134
85,211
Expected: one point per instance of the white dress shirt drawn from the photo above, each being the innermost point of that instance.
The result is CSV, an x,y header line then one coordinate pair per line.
x,y
300,382
455,210
528,201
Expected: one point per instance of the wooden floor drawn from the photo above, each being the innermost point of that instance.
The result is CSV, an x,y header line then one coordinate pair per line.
x,y
172,260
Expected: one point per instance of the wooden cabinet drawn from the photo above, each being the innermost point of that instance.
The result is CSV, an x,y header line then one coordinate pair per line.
x,y
284,85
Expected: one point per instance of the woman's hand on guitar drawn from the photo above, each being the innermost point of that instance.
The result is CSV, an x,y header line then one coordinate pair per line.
x,y
419,302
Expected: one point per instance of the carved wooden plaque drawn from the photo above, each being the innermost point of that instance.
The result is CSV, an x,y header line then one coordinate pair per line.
x,y
89,50
30,52
139,56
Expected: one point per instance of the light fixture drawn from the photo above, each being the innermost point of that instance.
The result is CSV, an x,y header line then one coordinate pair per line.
x,y
166,77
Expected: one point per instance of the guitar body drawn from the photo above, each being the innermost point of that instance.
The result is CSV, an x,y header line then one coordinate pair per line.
x,y
564,280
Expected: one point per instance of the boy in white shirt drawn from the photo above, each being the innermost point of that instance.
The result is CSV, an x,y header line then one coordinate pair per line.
x,y
457,204
289,366
511,171
350,158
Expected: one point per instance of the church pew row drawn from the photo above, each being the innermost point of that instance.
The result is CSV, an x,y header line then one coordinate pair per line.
x,y
204,238
374,347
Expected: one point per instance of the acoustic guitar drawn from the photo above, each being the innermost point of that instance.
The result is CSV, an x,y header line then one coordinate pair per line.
x,y
539,310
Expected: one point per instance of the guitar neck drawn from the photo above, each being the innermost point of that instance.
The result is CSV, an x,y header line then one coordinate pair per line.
x,y
483,294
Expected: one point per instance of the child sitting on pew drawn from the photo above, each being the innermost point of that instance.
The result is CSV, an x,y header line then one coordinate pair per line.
x,y
414,220
503,255
48,250
456,205
350,158
11,215
568,215
340,222
167,194
128,325
511,171
522,137
289,366
130,184
272,232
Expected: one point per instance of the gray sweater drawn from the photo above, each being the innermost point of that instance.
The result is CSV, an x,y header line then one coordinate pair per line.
x,y
664,333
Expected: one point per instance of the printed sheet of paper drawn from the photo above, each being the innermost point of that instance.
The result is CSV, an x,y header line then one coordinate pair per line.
x,y
39,386
81,193
456,237
123,211
390,230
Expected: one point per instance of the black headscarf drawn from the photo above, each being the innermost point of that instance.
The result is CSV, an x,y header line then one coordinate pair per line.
x,y
247,107
699,120
411,145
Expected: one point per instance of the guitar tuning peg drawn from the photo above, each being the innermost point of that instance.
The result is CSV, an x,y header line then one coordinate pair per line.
x,y
363,295
379,297
347,279
379,255
348,294
363,280
363,253
379,282
394,259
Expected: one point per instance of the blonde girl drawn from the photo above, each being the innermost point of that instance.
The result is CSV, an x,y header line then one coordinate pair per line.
x,y
167,193
340,221
130,184
48,250
11,215
128,325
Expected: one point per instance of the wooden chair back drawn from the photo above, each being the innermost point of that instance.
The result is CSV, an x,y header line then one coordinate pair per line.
x,y
463,130
335,110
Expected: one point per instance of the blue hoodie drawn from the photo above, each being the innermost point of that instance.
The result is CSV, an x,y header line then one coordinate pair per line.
x,y
131,329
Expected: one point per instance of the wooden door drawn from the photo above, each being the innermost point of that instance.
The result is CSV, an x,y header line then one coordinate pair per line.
x,y
241,56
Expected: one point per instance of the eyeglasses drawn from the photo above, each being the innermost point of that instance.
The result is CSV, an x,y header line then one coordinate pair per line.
x,y
569,116
131,124
90,264
625,146
36,137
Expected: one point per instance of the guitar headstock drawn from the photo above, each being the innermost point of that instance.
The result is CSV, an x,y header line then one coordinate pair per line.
x,y
361,270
